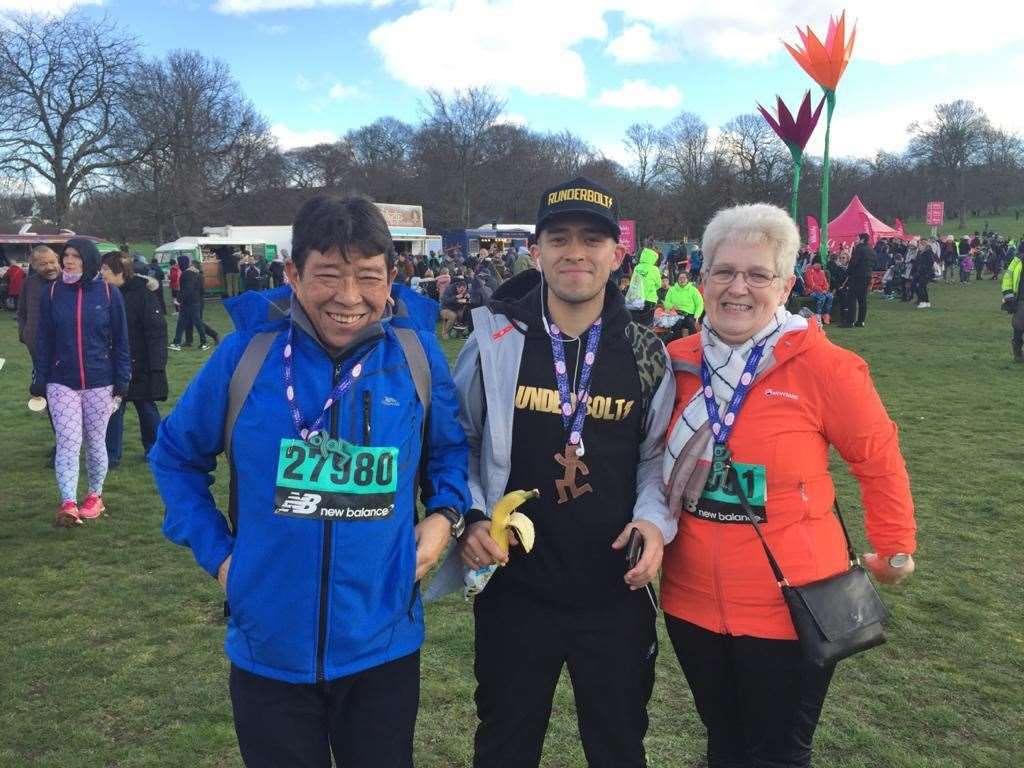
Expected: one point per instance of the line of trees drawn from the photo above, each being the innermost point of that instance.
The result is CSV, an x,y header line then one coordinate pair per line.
x,y
97,137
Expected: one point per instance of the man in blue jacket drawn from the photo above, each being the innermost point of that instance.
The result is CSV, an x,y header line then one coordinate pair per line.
x,y
323,557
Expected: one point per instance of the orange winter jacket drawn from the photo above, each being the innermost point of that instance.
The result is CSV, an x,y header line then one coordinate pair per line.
x,y
817,394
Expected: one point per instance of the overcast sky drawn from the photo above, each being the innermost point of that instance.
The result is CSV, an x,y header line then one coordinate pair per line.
x,y
317,68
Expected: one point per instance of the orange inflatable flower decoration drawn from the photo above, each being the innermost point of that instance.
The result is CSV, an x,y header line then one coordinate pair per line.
x,y
825,63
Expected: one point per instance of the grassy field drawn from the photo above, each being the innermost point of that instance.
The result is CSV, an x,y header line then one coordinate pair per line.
x,y
1006,225
113,636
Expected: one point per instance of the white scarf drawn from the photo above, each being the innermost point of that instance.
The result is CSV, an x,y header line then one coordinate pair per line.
x,y
689,447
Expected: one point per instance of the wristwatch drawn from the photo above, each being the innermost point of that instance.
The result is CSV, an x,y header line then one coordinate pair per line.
x,y
452,516
899,560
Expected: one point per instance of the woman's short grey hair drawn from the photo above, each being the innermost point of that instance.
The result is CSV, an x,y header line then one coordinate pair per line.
x,y
754,223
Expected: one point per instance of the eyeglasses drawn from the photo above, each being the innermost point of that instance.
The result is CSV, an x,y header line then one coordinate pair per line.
x,y
755,278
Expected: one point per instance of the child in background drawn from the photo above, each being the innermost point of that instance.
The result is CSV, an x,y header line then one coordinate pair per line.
x,y
966,267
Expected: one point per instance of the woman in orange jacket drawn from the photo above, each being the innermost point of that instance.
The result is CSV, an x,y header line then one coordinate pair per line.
x,y
774,395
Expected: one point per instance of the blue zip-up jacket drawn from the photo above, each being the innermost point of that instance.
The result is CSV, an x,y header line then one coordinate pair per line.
x,y
82,338
310,599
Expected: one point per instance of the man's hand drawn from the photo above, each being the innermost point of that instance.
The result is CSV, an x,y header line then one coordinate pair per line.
x,y
222,572
885,573
432,535
479,549
650,561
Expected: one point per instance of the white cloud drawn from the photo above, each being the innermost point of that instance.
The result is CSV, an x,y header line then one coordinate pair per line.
x,y
338,91
44,7
616,151
636,45
640,94
523,44
887,32
512,118
239,7
289,139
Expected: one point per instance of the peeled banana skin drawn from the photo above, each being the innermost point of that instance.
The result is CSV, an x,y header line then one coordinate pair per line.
x,y
504,517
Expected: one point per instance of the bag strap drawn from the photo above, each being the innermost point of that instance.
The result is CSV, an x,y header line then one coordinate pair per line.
x,y
732,475
776,569
416,357
242,380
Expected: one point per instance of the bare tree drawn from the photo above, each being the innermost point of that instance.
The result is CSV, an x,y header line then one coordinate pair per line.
x,y
758,154
206,140
464,120
642,143
382,152
64,86
951,141
321,165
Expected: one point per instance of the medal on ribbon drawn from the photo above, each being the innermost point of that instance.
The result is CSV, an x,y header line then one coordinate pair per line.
x,y
573,414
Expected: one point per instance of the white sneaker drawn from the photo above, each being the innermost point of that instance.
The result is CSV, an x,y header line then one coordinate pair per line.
x,y
924,305
175,347
204,347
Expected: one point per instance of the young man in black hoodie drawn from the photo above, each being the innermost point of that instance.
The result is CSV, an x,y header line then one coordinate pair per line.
x,y
550,342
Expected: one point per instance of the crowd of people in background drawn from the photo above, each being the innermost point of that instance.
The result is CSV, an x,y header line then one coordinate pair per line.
x,y
661,283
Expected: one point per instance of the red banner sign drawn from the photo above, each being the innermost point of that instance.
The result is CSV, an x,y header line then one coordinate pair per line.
x,y
813,234
935,213
627,234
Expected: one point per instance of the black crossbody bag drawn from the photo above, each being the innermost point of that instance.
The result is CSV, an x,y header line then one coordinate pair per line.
x,y
834,617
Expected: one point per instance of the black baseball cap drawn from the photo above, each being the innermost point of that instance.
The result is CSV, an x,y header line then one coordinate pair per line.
x,y
580,195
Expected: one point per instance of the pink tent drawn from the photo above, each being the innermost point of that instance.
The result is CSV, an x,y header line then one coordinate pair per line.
x,y
847,226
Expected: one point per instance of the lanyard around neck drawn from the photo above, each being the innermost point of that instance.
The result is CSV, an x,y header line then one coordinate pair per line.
x,y
343,386
572,418
721,427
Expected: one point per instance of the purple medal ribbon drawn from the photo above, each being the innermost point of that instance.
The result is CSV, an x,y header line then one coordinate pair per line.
x,y
340,389
573,420
721,428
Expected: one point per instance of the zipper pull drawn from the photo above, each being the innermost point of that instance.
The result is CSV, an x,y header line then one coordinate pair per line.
x,y
366,417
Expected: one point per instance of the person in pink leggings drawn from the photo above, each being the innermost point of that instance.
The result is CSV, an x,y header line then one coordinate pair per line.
x,y
82,366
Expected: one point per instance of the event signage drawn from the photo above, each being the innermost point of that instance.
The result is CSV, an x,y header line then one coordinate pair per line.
x,y
397,215
813,234
935,213
627,234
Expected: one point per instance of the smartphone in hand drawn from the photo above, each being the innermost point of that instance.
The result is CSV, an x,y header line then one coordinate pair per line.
x,y
634,549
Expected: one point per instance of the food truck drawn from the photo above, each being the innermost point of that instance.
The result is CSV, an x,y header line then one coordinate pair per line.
x,y
493,237
18,248
269,242
207,250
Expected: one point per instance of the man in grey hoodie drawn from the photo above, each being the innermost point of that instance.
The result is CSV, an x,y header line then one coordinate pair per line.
x,y
551,342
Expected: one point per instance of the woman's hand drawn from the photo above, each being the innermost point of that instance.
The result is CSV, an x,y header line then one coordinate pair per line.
x,y
885,573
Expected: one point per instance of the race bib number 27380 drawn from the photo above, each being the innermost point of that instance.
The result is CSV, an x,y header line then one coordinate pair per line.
x,y
354,483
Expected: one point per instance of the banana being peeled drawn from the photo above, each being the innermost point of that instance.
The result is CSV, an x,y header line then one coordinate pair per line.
x,y
504,518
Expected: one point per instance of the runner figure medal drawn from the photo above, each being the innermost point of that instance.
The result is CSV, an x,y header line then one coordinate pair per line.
x,y
573,415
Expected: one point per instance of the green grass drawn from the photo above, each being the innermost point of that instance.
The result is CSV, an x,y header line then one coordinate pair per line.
x,y
1006,225
112,635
